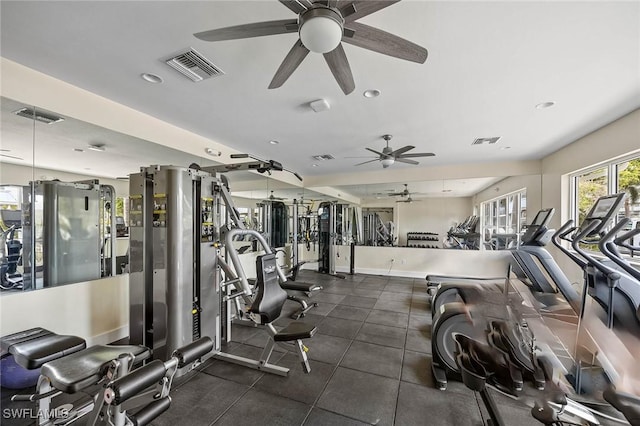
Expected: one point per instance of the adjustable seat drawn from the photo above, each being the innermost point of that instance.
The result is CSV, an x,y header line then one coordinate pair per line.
x,y
267,307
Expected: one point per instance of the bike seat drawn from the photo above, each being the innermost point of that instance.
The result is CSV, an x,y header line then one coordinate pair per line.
x,y
85,368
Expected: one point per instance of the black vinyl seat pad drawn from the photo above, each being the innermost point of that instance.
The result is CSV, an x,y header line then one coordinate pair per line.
x,y
85,368
33,348
300,286
295,331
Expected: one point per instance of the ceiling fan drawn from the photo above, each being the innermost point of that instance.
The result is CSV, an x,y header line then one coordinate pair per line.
x,y
321,26
406,200
402,193
388,156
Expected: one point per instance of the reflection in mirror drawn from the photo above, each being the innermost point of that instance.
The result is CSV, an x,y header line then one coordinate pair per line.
x,y
67,180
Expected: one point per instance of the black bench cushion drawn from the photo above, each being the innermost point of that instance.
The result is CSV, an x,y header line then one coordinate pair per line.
x,y
294,331
32,348
85,368
300,286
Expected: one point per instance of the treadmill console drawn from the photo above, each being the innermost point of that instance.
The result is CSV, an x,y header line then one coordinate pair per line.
x,y
535,234
603,210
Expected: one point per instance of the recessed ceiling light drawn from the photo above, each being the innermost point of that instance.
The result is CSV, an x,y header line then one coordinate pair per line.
x,y
213,152
151,78
314,165
544,105
503,148
273,142
371,93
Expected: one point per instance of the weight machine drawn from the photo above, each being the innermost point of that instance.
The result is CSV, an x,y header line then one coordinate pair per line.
x,y
181,221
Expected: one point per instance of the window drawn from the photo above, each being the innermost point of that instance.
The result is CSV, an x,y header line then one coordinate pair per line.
x,y
610,178
502,218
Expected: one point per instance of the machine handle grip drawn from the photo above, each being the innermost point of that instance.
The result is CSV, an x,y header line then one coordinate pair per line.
x,y
194,350
120,390
626,236
150,411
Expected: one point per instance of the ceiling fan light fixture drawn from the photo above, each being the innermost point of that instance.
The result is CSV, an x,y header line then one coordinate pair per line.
x,y
386,162
320,29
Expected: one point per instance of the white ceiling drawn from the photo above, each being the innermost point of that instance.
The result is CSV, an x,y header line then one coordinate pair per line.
x,y
489,64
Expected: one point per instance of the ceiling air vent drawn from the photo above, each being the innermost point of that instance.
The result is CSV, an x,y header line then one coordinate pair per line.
x,y
35,113
324,157
482,141
194,66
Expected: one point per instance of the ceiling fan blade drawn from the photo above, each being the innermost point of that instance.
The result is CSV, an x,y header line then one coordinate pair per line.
x,y
359,9
339,66
417,154
365,162
293,59
362,156
400,151
377,152
403,160
257,29
386,43
295,6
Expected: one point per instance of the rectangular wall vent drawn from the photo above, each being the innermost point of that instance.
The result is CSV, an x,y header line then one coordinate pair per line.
x,y
324,157
481,141
41,116
194,66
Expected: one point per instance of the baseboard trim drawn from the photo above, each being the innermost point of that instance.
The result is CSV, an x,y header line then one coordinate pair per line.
x,y
385,272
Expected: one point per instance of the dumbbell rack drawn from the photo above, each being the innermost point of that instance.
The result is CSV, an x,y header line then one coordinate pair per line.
x,y
423,239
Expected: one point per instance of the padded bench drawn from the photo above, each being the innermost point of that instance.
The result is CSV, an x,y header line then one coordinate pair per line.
x,y
34,347
85,368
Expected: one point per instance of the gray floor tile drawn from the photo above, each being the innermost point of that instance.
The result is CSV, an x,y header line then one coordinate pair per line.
x,y
418,405
382,335
339,327
201,401
322,309
328,297
339,289
416,368
400,297
399,287
240,333
298,385
366,292
393,319
329,349
420,322
393,306
359,302
320,417
238,373
349,312
420,307
261,408
362,396
372,285
418,341
376,359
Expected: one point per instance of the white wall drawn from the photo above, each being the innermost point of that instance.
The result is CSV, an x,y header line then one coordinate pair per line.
x,y
418,262
532,183
431,215
97,311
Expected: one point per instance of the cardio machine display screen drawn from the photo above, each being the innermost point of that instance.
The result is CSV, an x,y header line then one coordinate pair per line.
x,y
605,207
542,217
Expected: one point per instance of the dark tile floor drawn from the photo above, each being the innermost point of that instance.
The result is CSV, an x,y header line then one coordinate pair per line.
x,y
370,361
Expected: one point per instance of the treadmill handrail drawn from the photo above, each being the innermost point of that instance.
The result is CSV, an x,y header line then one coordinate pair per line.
x,y
611,274
604,243
561,233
